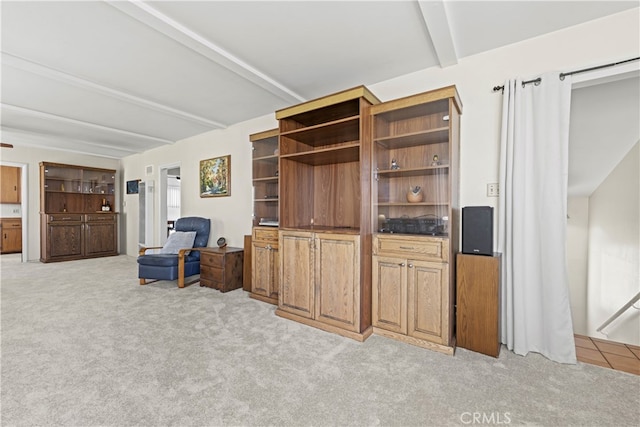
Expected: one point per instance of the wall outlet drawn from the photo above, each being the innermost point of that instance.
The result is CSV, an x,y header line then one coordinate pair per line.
x,y
493,190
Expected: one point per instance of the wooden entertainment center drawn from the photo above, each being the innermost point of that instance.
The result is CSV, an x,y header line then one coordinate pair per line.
x,y
357,254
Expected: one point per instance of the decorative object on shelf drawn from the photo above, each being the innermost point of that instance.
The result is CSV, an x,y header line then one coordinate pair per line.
x,y
435,161
222,242
394,164
215,177
415,194
276,152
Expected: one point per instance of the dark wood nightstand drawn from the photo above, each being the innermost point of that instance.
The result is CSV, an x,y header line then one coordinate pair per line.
x,y
221,268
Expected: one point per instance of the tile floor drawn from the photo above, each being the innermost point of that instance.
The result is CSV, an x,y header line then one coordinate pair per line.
x,y
608,354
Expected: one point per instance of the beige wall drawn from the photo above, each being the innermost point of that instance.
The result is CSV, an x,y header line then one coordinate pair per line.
x,y
230,216
614,250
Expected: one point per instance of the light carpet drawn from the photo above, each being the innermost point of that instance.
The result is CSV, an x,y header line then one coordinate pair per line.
x,y
83,344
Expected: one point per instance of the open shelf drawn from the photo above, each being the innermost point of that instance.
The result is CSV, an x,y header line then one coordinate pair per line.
x,y
411,139
268,179
331,133
342,154
427,170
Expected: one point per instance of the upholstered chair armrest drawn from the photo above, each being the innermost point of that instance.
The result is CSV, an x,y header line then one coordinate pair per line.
x,y
181,255
143,250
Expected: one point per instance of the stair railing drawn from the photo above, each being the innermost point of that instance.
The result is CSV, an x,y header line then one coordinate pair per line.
x,y
617,314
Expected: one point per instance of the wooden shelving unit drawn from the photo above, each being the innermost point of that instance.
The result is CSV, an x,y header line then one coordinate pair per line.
x,y
325,213
264,239
416,144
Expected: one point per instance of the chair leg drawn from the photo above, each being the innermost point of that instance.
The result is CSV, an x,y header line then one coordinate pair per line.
x,y
143,281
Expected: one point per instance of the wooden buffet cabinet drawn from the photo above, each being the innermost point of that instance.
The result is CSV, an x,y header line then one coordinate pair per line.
x,y
73,226
356,254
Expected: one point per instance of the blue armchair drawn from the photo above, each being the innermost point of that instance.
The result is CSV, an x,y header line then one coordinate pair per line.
x,y
178,265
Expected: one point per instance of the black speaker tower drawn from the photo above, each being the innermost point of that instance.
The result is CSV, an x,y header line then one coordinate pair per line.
x,y
477,230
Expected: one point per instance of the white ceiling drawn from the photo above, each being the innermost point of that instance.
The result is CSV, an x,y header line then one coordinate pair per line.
x,y
117,78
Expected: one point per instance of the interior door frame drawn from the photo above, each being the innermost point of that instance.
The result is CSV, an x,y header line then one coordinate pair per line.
x,y
162,198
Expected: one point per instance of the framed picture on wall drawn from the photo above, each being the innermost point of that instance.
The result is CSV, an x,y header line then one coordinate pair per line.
x,y
132,186
215,177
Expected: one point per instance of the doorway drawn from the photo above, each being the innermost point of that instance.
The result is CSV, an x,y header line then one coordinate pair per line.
x,y
170,199
603,231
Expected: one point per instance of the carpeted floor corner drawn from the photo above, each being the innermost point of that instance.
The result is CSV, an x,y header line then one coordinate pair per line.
x,y
83,344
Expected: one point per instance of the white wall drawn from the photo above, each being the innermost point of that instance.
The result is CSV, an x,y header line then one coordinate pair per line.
x,y
31,157
614,250
230,216
577,260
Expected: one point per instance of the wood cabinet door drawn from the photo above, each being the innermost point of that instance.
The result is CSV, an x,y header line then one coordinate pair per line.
x,y
338,280
11,240
296,294
100,238
9,184
275,270
262,269
389,294
64,240
427,300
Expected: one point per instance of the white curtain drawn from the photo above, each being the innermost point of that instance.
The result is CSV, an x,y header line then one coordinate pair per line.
x,y
532,212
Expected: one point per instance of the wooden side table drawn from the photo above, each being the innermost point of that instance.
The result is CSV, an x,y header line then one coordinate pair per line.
x,y
221,268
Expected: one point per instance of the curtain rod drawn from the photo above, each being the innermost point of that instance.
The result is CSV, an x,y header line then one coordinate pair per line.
x,y
563,75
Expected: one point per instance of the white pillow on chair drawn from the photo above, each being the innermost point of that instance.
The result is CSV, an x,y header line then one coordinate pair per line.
x,y
179,240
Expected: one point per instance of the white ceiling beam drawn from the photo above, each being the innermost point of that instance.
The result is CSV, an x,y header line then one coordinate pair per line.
x,y
50,73
437,24
80,123
23,138
160,22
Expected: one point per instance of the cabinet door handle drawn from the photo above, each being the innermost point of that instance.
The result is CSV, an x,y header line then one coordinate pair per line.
x,y
402,264
410,265
407,247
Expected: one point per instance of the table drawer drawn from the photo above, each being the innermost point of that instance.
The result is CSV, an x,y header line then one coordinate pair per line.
x,y
433,248
106,217
7,223
266,234
213,274
213,260
64,217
